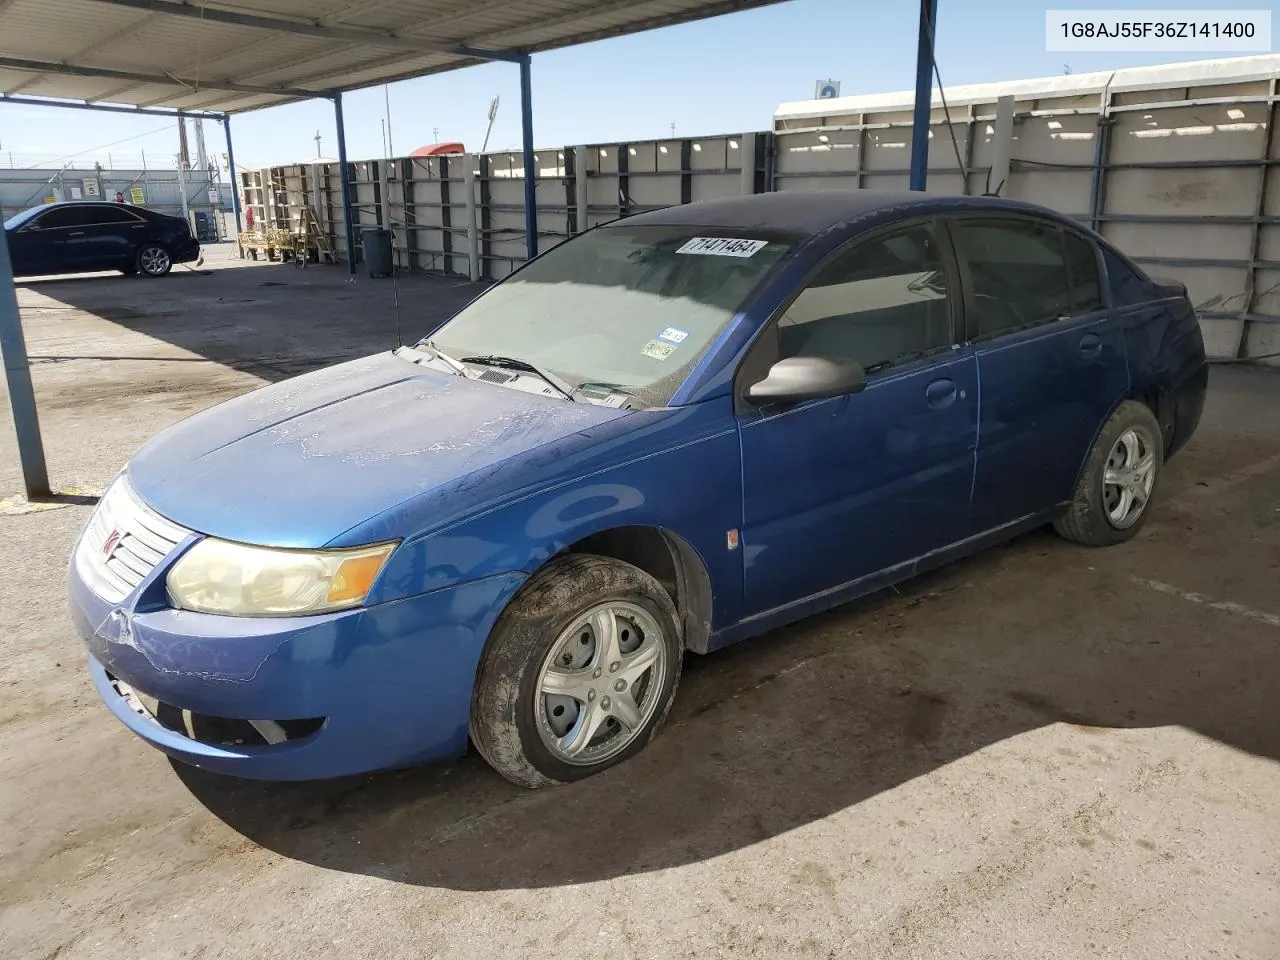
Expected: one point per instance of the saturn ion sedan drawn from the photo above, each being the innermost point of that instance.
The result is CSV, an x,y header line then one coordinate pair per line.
x,y
665,435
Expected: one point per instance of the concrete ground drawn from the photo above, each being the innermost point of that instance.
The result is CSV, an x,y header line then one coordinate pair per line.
x,y
1044,751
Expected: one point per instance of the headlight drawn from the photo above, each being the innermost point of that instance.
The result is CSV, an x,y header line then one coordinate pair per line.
x,y
236,580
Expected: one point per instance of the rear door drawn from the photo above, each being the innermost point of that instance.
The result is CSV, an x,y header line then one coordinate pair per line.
x,y
837,489
1051,359
108,237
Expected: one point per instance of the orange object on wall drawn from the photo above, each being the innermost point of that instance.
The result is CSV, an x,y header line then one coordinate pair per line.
x,y
439,150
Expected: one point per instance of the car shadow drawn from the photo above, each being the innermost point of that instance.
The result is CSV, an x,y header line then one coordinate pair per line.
x,y
781,731
272,320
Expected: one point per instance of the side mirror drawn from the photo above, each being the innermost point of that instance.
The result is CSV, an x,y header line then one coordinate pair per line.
x,y
808,378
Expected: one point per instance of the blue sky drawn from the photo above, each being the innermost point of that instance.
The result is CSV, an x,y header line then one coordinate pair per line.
x,y
717,76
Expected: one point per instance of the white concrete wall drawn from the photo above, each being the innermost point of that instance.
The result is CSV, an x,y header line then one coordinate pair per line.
x,y
1178,166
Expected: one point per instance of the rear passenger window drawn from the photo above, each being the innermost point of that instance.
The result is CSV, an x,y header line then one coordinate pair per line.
x,y
1018,274
1082,262
1127,285
107,213
882,302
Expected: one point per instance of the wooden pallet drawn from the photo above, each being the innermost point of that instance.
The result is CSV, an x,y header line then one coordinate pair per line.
x,y
272,243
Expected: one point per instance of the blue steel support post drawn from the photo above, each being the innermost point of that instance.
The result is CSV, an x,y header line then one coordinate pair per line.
x,y
231,173
345,179
17,375
530,171
924,94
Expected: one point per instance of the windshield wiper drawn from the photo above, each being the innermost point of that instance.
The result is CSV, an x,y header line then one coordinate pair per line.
x,y
601,386
515,363
437,353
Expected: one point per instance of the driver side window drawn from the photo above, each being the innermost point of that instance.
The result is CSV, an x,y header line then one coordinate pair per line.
x,y
881,302
60,217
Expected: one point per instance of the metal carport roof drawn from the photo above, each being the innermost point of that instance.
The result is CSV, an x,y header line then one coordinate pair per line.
x,y
229,57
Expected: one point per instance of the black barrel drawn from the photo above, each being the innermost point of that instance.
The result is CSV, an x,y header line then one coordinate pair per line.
x,y
377,251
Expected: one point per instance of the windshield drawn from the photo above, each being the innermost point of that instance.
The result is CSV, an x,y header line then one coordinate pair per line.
x,y
18,219
633,307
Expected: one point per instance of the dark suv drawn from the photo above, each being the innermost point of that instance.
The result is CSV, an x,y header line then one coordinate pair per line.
x,y
97,235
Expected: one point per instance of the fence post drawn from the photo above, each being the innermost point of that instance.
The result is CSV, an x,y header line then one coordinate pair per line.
x,y
384,191
581,195
469,161
1001,146
747,153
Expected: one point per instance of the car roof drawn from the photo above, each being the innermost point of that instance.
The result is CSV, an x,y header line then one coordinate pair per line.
x,y
41,208
812,211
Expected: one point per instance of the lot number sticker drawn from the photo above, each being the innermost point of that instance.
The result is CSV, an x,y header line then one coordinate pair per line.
x,y
722,247
673,335
658,350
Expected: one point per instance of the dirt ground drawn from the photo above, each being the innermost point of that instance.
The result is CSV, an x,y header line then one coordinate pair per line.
x,y
1044,751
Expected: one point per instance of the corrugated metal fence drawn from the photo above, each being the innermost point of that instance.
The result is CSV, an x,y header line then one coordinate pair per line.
x,y
21,188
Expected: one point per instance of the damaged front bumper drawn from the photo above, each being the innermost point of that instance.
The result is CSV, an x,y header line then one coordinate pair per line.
x,y
292,698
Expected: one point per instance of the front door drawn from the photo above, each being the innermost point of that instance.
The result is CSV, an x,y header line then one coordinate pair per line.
x,y
1051,360
43,244
837,489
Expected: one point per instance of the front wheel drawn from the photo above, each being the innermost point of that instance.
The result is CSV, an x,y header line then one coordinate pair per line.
x,y
579,673
1119,480
154,261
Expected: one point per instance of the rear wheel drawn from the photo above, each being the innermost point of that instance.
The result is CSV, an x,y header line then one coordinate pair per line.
x,y
579,673
154,260
1119,480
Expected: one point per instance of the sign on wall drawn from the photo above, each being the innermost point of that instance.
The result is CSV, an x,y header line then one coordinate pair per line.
x,y
215,198
90,188
137,196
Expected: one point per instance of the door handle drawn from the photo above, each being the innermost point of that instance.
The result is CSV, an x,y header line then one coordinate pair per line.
x,y
940,393
1090,345
78,233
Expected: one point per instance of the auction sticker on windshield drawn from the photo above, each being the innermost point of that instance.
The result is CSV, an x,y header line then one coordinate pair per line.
x,y
658,350
722,247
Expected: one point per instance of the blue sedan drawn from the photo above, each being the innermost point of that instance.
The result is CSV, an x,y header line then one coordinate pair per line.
x,y
663,436
81,237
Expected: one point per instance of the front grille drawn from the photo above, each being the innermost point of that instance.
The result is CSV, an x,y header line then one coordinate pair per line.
x,y
123,542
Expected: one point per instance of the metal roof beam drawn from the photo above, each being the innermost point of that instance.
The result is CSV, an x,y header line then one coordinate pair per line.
x,y
85,51
310,28
164,79
544,22
108,108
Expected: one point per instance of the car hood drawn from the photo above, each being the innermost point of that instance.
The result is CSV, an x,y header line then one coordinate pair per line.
x,y
298,463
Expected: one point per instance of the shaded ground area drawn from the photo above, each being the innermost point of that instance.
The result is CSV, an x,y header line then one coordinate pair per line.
x,y
1043,751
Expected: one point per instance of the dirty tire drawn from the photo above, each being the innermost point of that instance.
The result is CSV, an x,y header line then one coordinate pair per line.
x,y
506,698
1086,519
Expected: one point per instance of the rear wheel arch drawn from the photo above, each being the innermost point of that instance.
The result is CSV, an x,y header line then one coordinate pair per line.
x,y
1158,398
1155,398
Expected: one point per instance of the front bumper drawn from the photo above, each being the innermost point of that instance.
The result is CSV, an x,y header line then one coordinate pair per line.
x,y
392,682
